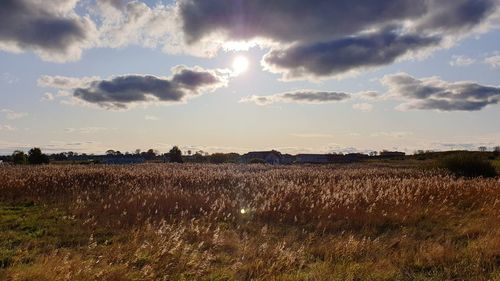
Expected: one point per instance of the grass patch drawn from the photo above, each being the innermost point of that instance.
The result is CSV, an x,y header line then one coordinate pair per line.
x,y
28,231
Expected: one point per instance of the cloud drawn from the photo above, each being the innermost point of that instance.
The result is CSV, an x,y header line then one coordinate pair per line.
x,y
396,135
364,107
301,96
12,115
312,136
369,95
279,20
52,29
85,130
151,118
65,83
122,92
326,59
48,97
6,128
493,61
461,61
435,94
317,38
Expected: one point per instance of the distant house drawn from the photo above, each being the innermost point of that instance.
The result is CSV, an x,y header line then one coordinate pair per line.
x,y
313,158
272,157
122,160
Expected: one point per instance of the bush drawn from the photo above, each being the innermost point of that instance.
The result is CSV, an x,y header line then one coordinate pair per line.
x,y
218,158
468,165
257,161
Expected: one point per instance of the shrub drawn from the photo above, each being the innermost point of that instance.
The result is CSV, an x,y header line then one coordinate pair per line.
x,y
468,165
257,161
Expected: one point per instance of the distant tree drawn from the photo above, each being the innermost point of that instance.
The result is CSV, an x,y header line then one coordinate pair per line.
x,y
198,158
19,157
189,152
483,148
175,155
36,157
110,152
218,158
60,156
150,154
373,153
137,151
496,151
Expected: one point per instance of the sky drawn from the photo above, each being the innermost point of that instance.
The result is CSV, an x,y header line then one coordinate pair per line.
x,y
297,76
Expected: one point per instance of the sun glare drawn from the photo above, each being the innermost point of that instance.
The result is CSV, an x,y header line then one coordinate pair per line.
x,y
240,65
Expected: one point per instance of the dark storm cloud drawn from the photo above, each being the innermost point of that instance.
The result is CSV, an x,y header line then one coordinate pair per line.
x,y
40,26
320,20
344,55
123,91
457,14
291,20
435,94
301,96
329,37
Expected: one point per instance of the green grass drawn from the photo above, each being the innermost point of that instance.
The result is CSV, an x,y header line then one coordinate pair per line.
x,y
28,231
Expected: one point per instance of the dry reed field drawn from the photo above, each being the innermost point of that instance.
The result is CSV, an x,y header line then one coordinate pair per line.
x,y
246,222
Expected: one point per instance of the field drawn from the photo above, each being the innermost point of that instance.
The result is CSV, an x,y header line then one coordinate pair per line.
x,y
246,222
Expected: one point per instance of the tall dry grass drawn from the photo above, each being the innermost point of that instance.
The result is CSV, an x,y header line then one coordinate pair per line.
x,y
237,222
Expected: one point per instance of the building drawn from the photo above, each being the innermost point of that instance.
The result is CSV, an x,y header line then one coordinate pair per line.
x,y
272,157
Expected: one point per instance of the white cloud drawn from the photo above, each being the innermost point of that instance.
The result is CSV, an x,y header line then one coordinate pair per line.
x,y
66,83
85,130
461,61
12,115
364,107
392,134
312,135
6,128
151,118
493,61
48,97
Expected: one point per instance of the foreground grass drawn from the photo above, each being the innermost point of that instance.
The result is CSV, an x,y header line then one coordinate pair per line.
x,y
157,222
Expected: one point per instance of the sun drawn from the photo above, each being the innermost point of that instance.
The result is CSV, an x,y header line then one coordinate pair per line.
x,y
240,65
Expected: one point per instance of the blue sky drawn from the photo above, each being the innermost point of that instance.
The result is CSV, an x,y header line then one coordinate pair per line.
x,y
461,111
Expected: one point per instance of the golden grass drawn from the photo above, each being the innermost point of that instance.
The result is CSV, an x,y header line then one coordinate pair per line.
x,y
237,222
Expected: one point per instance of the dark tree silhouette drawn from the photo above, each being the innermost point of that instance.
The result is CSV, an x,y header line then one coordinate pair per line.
x,y
150,154
175,155
218,158
36,157
19,157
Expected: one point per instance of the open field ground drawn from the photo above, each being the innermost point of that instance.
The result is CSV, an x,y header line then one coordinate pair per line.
x,y
246,222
